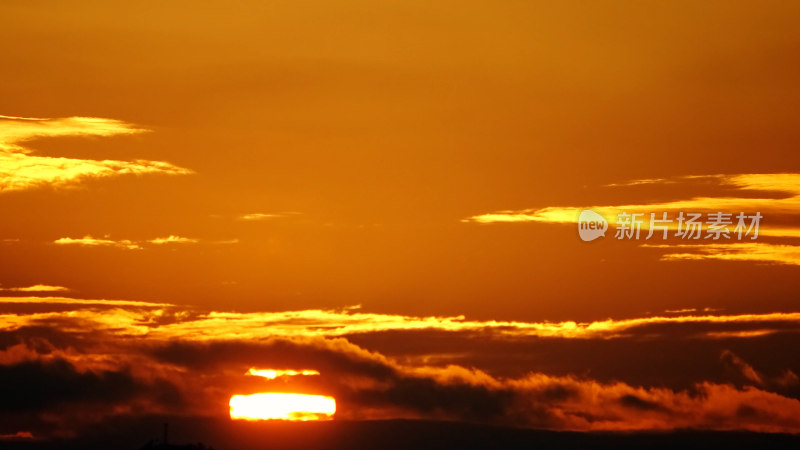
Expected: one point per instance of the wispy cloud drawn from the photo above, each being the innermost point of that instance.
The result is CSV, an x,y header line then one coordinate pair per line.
x,y
781,195
220,325
89,241
746,251
173,240
266,216
690,310
20,170
745,369
332,323
37,288
641,181
127,244
19,435
19,129
81,301
226,241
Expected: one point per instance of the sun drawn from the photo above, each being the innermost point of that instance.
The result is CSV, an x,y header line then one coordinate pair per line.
x,y
282,406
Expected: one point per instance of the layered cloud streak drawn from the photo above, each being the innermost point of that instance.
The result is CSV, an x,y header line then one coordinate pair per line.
x,y
21,170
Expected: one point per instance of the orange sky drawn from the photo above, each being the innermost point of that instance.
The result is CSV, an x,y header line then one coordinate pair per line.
x,y
261,157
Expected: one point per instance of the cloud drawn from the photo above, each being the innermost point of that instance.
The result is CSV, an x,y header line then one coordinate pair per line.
x,y
37,288
152,360
226,241
19,435
780,195
642,181
690,310
55,397
41,384
224,325
20,129
746,251
173,240
505,347
89,241
364,381
80,301
127,244
216,325
265,216
20,170
259,216
738,364
788,379
368,385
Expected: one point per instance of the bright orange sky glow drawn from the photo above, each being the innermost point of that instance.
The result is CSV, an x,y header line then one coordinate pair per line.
x,y
378,201
282,406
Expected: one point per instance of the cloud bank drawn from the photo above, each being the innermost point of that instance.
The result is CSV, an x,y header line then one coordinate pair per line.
x,y
634,374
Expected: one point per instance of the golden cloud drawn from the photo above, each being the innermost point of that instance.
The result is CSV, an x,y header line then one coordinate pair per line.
x,y
209,326
94,242
90,241
782,196
171,239
746,251
266,216
20,170
37,288
78,301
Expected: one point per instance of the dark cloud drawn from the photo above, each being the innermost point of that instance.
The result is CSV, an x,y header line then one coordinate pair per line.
x,y
36,385
428,397
632,401
676,362
70,398
41,339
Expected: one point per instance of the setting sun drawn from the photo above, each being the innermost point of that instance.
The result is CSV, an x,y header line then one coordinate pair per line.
x,y
282,406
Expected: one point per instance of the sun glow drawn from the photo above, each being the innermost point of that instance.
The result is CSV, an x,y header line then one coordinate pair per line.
x,y
281,406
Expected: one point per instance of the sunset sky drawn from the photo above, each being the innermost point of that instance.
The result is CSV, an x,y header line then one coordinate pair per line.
x,y
385,195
